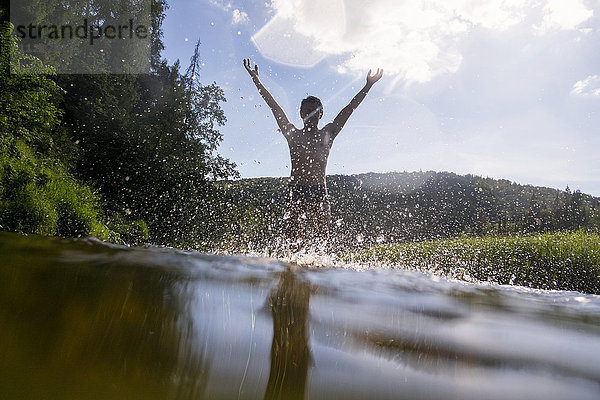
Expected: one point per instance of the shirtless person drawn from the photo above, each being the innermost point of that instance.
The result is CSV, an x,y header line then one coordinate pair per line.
x,y
309,150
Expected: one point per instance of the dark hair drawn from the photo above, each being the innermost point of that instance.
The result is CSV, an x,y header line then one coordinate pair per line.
x,y
310,105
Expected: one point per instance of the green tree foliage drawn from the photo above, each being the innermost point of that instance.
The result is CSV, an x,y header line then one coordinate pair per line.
x,y
149,143
119,54
37,194
248,214
401,207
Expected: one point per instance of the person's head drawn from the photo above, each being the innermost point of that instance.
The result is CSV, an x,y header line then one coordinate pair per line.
x,y
311,108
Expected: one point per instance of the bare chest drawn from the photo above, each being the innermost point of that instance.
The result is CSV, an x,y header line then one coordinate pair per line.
x,y
307,144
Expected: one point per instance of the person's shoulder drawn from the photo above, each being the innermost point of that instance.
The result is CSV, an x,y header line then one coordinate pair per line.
x,y
291,133
330,127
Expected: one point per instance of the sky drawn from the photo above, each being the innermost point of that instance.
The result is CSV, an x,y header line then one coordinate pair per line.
x,y
507,89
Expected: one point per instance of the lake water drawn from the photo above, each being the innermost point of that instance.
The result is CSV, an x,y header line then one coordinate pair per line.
x,y
80,319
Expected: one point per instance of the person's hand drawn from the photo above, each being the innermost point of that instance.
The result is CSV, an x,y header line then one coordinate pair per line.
x,y
371,79
253,72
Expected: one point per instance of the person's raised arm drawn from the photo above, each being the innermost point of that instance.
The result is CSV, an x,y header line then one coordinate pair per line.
x,y
340,120
283,122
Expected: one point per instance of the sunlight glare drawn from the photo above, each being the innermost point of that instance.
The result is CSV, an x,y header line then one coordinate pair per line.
x,y
413,41
301,33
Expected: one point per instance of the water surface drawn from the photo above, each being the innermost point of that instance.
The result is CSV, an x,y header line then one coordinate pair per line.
x,y
81,319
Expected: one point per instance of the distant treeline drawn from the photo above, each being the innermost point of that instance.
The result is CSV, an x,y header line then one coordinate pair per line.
x,y
399,207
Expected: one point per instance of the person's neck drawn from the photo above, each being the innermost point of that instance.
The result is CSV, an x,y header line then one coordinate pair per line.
x,y
311,125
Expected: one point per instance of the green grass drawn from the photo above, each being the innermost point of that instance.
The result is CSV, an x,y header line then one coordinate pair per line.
x,y
561,260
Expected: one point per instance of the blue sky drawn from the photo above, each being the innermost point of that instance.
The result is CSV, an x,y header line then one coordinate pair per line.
x,y
500,88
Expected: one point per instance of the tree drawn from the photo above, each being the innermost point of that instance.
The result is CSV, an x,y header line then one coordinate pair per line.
x,y
576,213
37,193
149,143
533,220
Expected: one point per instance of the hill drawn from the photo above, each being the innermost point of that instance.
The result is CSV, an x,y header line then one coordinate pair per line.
x,y
402,206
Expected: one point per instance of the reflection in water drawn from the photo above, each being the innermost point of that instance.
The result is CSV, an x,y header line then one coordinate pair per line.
x,y
290,353
79,329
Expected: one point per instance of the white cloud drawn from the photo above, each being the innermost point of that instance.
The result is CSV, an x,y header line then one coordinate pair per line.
x,y
221,4
239,17
413,40
567,15
588,87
